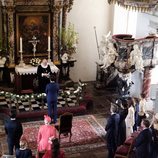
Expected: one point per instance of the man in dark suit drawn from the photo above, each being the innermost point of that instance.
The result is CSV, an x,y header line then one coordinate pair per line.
x,y
14,131
112,131
52,97
144,140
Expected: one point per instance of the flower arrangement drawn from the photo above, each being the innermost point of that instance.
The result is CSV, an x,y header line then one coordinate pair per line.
x,y
35,61
69,39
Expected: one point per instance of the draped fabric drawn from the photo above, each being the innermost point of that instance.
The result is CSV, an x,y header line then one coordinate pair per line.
x,y
140,5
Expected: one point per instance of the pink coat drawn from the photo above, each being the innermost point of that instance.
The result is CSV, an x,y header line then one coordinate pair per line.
x,y
45,132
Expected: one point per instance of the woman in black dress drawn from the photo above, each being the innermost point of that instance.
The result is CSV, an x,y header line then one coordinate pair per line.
x,y
154,129
123,112
43,73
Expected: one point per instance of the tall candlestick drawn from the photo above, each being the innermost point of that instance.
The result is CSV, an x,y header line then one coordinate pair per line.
x,y
20,44
48,43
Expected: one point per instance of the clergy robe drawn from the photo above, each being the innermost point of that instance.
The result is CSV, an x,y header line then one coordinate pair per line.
x,y
43,80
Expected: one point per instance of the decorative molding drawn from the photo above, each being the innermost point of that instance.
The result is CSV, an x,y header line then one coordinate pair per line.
x,y
139,5
54,7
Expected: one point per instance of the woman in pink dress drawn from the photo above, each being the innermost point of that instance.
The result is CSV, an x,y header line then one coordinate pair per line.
x,y
46,133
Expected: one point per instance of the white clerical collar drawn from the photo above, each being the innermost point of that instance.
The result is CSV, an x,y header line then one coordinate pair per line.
x,y
113,113
23,148
12,118
44,66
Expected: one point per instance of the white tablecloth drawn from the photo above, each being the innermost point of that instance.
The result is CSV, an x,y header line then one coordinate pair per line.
x,y
29,69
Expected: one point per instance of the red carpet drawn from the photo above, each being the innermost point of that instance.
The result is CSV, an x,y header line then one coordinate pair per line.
x,y
87,134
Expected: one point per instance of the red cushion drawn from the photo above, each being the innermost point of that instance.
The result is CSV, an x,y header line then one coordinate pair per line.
x,y
123,150
26,91
135,134
129,141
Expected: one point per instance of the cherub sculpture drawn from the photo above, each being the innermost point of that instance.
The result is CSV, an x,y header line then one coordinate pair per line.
x,y
136,58
103,47
110,57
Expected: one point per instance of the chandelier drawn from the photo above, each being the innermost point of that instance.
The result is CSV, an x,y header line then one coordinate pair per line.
x,y
139,5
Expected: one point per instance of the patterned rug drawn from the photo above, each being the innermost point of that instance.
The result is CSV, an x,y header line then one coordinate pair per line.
x,y
87,134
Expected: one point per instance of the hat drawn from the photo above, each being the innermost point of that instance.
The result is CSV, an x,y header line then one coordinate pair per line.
x,y
47,118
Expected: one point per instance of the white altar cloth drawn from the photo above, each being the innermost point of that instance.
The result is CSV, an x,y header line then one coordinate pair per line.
x,y
29,69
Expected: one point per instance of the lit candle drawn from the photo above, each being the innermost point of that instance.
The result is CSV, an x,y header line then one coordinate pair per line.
x,y
48,43
20,44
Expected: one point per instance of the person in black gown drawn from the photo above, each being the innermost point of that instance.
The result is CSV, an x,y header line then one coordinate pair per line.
x,y
43,73
123,112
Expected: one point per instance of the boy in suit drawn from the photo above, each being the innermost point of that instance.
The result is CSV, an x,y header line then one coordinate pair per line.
x,y
112,131
52,90
144,140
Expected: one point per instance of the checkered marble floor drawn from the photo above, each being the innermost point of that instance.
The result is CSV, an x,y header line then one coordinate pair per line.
x,y
38,104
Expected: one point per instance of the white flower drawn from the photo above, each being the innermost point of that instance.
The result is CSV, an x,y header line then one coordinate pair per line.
x,y
35,61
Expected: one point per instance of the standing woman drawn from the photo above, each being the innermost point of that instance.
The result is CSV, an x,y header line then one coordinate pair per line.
x,y
136,108
43,73
46,133
142,109
123,111
130,118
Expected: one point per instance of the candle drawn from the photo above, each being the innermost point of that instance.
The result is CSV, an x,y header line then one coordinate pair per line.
x,y
48,43
20,44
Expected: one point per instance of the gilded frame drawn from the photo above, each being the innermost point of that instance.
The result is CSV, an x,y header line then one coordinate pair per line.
x,y
29,25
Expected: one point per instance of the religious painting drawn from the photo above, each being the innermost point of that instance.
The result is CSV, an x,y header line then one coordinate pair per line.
x,y
32,31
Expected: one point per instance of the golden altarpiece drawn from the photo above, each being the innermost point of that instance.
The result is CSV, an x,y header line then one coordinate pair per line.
x,y
28,18
32,28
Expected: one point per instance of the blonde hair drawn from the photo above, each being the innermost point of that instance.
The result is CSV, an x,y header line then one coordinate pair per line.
x,y
23,144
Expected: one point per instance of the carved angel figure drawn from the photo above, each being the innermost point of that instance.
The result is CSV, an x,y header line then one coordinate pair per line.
x,y
136,58
110,57
103,47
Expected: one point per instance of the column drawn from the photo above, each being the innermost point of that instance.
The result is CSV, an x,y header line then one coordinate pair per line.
x,y
11,42
146,82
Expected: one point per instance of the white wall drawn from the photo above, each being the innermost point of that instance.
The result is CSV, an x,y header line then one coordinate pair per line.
x,y
136,88
86,14
125,21
144,26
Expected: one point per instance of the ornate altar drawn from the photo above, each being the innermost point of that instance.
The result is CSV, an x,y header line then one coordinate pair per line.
x,y
28,19
26,77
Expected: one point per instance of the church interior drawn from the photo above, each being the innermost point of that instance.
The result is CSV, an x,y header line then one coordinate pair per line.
x,y
102,55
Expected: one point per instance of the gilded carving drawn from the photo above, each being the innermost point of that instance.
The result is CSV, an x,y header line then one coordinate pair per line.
x,y
11,46
53,7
